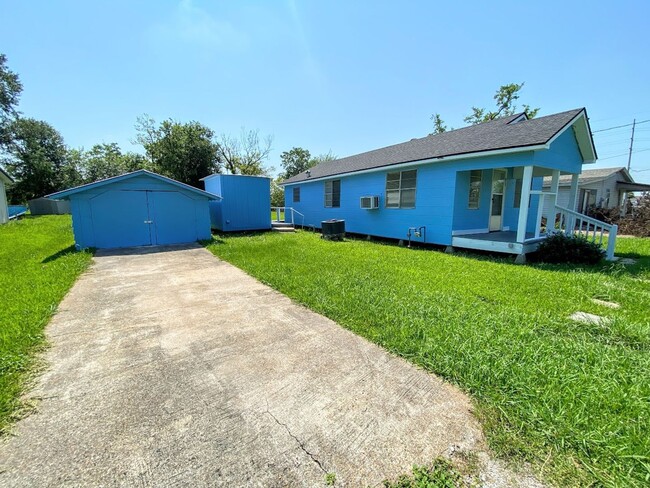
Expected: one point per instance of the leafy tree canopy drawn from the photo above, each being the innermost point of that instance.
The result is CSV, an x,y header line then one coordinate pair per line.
x,y
295,161
36,159
184,152
10,90
505,99
323,158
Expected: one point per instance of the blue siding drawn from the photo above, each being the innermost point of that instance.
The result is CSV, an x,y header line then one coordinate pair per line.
x,y
246,203
114,215
564,154
441,196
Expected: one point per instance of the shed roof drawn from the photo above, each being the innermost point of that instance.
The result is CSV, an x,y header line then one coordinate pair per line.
x,y
62,195
4,176
506,133
593,176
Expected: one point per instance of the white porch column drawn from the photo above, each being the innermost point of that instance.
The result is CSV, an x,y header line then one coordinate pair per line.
x,y
526,182
555,186
573,198
573,193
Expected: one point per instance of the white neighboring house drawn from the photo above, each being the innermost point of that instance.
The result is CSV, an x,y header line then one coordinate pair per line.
x,y
605,188
5,179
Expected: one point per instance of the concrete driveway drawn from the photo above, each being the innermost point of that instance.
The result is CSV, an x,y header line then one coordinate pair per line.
x,y
169,367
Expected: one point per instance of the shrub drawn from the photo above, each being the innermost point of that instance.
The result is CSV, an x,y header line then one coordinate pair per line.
x,y
562,248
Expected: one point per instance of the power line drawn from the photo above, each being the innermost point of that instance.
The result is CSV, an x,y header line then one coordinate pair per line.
x,y
620,126
624,154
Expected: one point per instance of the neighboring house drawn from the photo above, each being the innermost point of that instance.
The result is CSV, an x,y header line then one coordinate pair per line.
x,y
137,209
5,180
478,187
604,188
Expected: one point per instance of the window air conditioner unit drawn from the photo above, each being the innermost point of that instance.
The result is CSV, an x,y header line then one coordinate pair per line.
x,y
370,202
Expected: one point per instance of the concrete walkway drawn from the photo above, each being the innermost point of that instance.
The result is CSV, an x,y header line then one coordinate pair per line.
x,y
176,369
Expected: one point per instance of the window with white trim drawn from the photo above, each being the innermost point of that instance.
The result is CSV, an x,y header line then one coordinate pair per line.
x,y
475,181
400,189
333,193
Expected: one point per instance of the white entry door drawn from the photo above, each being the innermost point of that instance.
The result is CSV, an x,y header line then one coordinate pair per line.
x,y
496,206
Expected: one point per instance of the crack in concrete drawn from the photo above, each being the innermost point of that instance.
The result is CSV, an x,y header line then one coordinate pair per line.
x,y
300,443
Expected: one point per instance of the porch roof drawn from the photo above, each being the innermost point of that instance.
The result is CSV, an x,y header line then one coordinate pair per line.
x,y
512,133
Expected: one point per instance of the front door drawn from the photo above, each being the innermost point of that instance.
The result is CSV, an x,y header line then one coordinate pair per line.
x,y
496,206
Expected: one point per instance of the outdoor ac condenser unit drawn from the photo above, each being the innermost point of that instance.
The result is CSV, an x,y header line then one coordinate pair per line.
x,y
370,202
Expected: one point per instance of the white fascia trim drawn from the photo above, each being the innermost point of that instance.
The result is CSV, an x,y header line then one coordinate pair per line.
x,y
441,159
581,114
470,231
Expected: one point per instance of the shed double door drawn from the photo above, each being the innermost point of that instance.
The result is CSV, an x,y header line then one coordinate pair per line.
x,y
129,218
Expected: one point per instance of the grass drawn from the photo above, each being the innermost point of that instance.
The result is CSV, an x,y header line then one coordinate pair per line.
x,y
38,264
439,474
274,215
570,398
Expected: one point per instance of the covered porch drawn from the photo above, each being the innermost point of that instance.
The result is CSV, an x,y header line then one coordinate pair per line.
x,y
519,214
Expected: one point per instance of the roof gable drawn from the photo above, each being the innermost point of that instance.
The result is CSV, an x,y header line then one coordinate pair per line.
x,y
513,133
4,176
62,195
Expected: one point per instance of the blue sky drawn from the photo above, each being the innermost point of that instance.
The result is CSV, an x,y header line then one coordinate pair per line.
x,y
346,76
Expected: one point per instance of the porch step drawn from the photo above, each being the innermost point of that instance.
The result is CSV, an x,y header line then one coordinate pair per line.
x,y
282,227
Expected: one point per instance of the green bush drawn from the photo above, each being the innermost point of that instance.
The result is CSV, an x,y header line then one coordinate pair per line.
x,y
562,248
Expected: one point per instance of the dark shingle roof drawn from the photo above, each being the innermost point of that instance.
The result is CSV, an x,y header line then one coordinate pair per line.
x,y
488,136
587,176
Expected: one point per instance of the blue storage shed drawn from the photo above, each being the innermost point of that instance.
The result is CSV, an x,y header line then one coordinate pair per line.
x,y
245,203
137,209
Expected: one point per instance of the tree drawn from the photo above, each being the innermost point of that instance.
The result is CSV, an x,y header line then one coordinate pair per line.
x,y
71,173
277,193
438,124
505,97
246,154
102,161
10,89
323,158
184,152
36,158
295,161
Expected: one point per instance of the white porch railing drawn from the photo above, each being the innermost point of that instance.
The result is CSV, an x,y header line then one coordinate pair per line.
x,y
571,222
284,212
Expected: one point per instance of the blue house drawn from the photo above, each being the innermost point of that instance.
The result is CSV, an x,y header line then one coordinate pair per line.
x,y
479,187
137,209
245,202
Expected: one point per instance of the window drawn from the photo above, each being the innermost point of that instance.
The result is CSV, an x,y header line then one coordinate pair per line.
x,y
518,184
296,194
475,179
400,189
333,193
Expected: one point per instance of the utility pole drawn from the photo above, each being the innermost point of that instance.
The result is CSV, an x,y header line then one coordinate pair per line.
x,y
629,158
629,162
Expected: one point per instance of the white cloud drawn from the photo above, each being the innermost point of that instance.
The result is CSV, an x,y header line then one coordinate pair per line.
x,y
195,26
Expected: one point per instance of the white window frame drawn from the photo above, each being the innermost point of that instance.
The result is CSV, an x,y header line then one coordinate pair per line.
x,y
329,192
471,205
401,188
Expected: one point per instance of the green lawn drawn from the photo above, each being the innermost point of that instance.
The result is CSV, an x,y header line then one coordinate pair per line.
x,y
572,399
274,215
37,267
